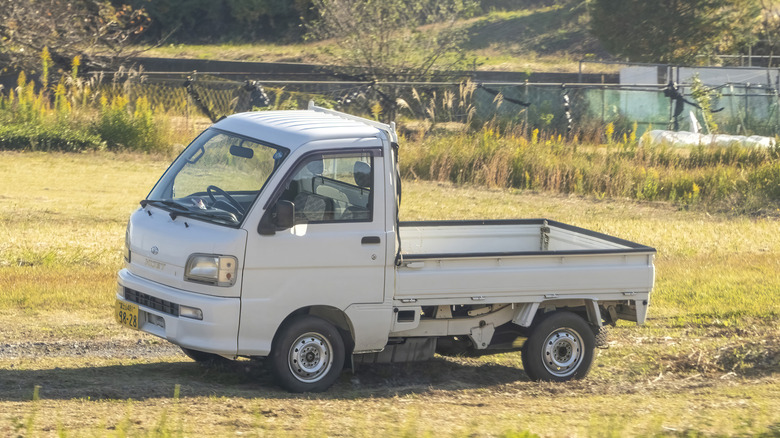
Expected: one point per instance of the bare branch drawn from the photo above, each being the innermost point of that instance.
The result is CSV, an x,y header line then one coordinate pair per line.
x,y
92,29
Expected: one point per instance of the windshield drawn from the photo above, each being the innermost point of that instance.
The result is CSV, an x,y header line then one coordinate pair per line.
x,y
217,178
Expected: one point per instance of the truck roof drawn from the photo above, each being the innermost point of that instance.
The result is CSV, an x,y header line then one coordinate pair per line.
x,y
292,129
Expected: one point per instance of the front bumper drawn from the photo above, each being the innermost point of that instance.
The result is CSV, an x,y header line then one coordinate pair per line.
x,y
216,333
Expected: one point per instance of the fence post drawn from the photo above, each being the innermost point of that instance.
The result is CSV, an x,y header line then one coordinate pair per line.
x,y
777,97
747,103
525,98
566,102
603,103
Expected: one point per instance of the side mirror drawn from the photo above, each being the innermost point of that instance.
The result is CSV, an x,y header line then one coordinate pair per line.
x,y
285,215
280,217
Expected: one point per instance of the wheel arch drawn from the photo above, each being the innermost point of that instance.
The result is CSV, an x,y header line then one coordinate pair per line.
x,y
587,308
333,315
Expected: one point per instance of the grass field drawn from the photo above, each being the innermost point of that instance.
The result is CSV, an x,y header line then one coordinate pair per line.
x,y
707,363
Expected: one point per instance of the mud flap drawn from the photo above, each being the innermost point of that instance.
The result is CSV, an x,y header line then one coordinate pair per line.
x,y
409,350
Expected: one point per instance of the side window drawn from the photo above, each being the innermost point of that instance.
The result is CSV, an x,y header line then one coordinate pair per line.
x,y
332,188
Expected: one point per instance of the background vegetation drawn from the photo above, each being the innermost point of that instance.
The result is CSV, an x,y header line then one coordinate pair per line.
x,y
727,178
664,31
74,115
545,35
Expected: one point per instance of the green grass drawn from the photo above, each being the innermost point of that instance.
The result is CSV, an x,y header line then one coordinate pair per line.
x,y
548,38
706,363
61,224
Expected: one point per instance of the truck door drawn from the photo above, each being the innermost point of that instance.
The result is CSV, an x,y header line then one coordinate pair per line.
x,y
333,256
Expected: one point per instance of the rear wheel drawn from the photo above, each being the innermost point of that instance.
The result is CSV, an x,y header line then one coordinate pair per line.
x,y
559,348
307,355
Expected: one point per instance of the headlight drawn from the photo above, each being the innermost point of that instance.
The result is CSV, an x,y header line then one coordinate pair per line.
x,y
211,269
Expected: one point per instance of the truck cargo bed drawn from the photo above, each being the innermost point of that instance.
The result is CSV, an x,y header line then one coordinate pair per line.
x,y
525,260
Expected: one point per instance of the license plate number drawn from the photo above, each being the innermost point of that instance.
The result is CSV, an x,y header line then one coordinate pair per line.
x,y
127,314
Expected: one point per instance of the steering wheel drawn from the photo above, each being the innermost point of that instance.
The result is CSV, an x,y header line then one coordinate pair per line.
x,y
233,203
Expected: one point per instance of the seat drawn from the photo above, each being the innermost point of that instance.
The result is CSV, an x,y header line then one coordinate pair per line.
x,y
339,198
310,207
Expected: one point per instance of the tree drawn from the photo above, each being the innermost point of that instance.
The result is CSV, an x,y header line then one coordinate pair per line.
x,y
222,20
674,31
92,29
393,40
768,44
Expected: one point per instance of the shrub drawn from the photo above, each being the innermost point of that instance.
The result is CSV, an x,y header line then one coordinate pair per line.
x,y
44,137
64,116
765,181
122,129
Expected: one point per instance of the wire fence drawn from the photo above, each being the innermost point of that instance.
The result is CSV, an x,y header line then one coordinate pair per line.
x,y
582,109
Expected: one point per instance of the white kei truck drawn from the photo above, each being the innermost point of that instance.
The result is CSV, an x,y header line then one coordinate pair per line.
x,y
275,234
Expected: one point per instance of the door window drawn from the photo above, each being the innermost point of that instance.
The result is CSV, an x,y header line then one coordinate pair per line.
x,y
332,188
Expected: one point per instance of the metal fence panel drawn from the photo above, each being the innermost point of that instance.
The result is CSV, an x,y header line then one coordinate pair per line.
x,y
743,109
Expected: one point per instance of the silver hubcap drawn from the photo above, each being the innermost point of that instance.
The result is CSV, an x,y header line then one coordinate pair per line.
x,y
562,352
310,357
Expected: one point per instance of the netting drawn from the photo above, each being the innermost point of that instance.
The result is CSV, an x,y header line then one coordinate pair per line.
x,y
577,108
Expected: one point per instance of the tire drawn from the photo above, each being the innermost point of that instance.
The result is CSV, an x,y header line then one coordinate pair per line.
x,y
559,348
307,355
204,358
601,335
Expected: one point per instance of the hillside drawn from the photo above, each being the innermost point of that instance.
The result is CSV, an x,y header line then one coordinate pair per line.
x,y
526,38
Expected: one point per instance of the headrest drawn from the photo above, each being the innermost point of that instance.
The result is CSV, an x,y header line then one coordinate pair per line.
x,y
362,174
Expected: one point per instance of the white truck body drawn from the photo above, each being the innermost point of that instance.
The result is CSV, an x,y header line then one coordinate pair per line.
x,y
315,247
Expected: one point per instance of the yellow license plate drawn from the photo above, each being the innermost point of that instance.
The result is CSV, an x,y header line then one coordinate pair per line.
x,y
127,314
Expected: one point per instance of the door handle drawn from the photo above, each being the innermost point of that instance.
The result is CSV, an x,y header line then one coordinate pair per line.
x,y
370,240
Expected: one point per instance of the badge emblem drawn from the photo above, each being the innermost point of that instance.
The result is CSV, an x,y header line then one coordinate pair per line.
x,y
155,250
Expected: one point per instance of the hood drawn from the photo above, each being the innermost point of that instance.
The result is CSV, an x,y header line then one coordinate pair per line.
x,y
160,247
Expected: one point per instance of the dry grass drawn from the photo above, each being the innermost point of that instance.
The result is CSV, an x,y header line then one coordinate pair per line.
x,y
706,363
254,52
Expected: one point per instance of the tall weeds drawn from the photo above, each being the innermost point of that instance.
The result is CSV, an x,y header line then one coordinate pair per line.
x,y
77,114
734,178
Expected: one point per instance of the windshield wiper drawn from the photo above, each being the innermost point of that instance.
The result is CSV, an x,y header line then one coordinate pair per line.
x,y
212,215
179,209
172,204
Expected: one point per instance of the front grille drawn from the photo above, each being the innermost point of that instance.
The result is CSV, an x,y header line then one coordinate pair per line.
x,y
151,302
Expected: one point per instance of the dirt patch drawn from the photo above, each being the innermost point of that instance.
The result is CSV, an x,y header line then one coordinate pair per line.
x,y
752,358
131,349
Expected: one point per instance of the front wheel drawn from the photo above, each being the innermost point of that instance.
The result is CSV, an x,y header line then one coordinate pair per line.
x,y
307,355
559,348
